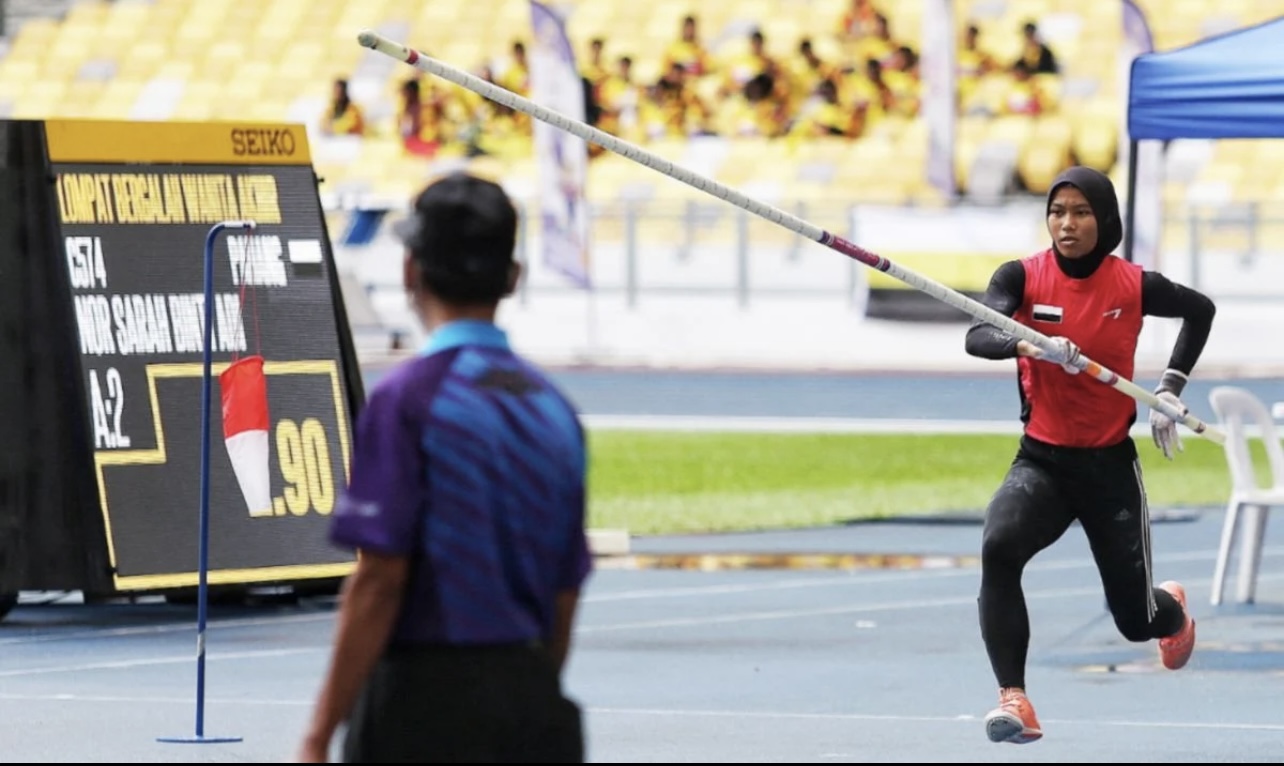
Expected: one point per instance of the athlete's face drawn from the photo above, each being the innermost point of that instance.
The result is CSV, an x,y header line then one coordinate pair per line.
x,y
1071,223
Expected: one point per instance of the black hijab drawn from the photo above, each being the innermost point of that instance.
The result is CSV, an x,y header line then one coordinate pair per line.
x,y
1100,193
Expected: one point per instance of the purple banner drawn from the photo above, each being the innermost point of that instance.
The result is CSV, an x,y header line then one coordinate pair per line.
x,y
562,158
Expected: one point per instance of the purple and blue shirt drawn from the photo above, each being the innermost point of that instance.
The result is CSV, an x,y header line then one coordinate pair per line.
x,y
468,460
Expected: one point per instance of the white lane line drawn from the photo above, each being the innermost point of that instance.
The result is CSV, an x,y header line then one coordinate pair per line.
x,y
173,627
774,715
151,661
133,700
855,579
665,713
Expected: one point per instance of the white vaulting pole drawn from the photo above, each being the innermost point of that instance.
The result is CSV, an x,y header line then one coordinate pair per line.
x,y
779,217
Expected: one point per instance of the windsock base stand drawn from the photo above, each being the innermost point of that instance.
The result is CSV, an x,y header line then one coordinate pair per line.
x,y
202,597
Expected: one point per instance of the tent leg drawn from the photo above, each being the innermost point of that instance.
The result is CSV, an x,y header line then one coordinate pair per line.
x,y
1130,213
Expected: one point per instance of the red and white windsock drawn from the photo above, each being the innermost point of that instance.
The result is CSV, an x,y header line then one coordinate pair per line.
x,y
245,430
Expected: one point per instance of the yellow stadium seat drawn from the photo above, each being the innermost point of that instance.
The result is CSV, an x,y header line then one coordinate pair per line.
x,y
1040,163
1096,145
142,59
1014,129
89,13
38,98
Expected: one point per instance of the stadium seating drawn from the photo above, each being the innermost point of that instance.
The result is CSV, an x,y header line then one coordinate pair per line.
x,y
248,59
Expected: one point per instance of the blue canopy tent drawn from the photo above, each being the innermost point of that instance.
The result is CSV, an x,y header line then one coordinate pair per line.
x,y
1227,86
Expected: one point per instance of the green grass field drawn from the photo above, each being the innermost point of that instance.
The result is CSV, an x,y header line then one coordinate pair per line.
x,y
653,482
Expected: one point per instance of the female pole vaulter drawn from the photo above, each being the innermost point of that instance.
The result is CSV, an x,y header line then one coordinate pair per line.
x,y
1076,460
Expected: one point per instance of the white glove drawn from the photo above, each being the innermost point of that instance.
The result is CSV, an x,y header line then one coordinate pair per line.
x,y
1163,428
1064,352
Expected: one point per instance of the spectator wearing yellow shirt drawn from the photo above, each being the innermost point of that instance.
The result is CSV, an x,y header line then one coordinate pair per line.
x,y
826,117
595,70
868,94
1024,95
807,71
516,76
878,44
489,127
752,63
674,109
621,101
901,76
858,20
343,117
973,63
687,51
755,111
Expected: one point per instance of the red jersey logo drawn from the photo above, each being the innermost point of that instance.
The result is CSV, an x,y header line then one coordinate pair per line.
x,y
1102,315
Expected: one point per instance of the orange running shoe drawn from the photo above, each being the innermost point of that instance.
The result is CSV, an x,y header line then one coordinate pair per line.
x,y
1013,720
1174,651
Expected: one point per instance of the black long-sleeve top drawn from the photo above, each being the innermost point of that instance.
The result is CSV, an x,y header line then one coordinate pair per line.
x,y
1160,297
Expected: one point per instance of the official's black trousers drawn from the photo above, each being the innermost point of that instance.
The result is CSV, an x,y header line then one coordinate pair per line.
x,y
442,704
1046,489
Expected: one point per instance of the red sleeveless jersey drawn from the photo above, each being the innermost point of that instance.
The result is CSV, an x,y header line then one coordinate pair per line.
x,y
1102,315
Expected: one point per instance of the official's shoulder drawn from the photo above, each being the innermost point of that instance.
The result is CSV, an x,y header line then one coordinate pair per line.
x,y
410,377
546,381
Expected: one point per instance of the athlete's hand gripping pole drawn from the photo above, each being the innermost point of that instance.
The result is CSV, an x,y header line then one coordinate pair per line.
x,y
779,217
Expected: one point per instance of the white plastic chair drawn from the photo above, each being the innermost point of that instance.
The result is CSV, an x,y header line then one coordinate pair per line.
x,y
1237,408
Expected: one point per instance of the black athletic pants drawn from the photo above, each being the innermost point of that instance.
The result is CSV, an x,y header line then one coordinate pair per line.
x,y
443,704
1046,489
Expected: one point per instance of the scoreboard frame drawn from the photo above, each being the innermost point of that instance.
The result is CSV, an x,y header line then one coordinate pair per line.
x,y
83,506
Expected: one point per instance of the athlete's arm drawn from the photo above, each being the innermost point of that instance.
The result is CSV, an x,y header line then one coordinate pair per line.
x,y
1161,297
1004,295
565,605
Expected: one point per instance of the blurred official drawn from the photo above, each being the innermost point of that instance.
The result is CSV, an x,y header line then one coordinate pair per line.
x,y
467,506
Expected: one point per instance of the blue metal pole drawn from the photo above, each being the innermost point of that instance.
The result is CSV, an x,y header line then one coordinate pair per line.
x,y
202,594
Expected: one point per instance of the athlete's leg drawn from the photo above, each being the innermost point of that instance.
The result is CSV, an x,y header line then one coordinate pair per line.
x,y
1026,515
1116,519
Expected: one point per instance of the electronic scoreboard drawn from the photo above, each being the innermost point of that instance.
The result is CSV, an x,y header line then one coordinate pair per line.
x,y
102,242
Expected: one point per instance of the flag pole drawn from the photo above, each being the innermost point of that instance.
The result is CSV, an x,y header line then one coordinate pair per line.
x,y
202,593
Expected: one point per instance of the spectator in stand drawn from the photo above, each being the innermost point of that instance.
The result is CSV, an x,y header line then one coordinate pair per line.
x,y
621,101
973,63
687,51
1036,54
1024,94
868,94
753,62
343,117
595,70
878,45
424,120
826,116
755,111
901,75
807,70
674,108
858,20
